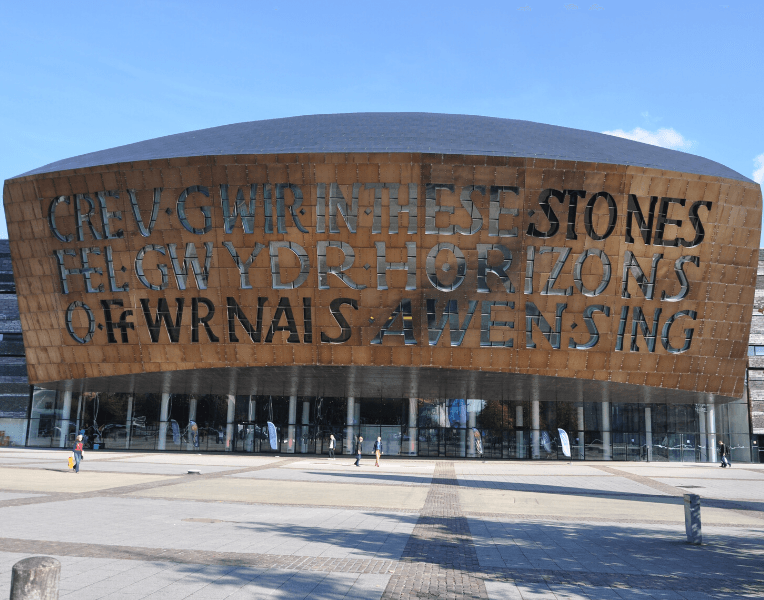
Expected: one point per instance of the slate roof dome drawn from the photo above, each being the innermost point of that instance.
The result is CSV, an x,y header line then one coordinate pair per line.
x,y
401,132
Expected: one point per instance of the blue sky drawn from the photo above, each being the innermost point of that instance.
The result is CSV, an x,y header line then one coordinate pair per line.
x,y
79,77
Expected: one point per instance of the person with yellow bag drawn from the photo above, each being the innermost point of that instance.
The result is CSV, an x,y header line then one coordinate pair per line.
x,y
77,454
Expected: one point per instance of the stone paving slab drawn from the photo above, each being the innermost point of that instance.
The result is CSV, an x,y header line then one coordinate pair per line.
x,y
295,492
224,460
394,465
599,548
13,461
539,468
726,488
55,454
344,474
217,527
102,579
478,530
738,471
558,484
114,466
66,480
624,508
13,496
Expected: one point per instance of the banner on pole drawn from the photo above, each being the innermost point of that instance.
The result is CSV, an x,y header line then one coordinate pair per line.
x,y
272,437
565,442
546,442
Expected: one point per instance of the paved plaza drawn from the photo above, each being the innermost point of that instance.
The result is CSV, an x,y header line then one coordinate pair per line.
x,y
132,526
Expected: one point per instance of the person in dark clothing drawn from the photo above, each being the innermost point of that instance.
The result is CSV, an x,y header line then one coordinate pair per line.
x,y
358,451
78,444
725,461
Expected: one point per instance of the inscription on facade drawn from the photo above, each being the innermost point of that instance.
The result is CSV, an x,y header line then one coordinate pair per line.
x,y
504,268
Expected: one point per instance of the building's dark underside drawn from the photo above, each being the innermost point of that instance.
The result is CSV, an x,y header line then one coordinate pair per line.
x,y
365,382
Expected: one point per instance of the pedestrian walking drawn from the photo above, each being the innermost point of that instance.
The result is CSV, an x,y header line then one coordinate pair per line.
x,y
332,442
377,450
78,444
358,451
725,459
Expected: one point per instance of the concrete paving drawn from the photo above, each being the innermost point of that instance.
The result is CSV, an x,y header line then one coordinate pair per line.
x,y
136,526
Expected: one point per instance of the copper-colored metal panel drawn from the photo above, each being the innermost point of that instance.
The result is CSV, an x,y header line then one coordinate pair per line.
x,y
512,276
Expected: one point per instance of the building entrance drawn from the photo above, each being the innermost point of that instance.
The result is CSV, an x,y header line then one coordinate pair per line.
x,y
450,428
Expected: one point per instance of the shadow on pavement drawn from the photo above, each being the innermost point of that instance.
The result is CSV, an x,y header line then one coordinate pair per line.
x,y
585,555
646,556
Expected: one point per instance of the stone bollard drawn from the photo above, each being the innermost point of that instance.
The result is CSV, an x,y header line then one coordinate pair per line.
x,y
692,519
35,578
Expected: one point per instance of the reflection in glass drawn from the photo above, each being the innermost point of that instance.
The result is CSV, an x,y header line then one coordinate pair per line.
x,y
653,431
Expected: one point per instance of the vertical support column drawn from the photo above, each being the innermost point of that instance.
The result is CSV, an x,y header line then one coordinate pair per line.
x,y
229,423
65,414
292,422
702,431
471,422
535,434
349,429
519,434
607,450
251,417
192,404
649,432
413,434
580,419
163,415
129,422
711,432
305,426
79,415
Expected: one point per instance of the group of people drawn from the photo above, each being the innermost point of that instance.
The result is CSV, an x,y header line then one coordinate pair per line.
x,y
358,449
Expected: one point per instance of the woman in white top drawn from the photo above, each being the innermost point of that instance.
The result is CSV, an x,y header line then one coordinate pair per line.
x,y
331,446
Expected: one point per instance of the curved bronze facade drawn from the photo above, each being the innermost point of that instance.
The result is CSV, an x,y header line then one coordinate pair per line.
x,y
385,274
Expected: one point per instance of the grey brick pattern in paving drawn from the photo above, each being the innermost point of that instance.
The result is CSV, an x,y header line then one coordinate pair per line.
x,y
439,560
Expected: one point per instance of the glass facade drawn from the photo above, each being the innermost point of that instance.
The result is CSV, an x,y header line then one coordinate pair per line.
x,y
455,428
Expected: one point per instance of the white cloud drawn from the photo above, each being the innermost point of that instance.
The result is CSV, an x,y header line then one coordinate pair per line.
x,y
758,169
664,137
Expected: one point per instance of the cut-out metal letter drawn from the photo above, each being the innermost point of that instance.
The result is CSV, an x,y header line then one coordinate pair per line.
x,y
495,210
324,270
299,251
206,210
161,266
70,325
407,331
578,268
145,231
432,208
486,322
52,219
461,267
500,271
383,266
191,259
239,208
243,266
